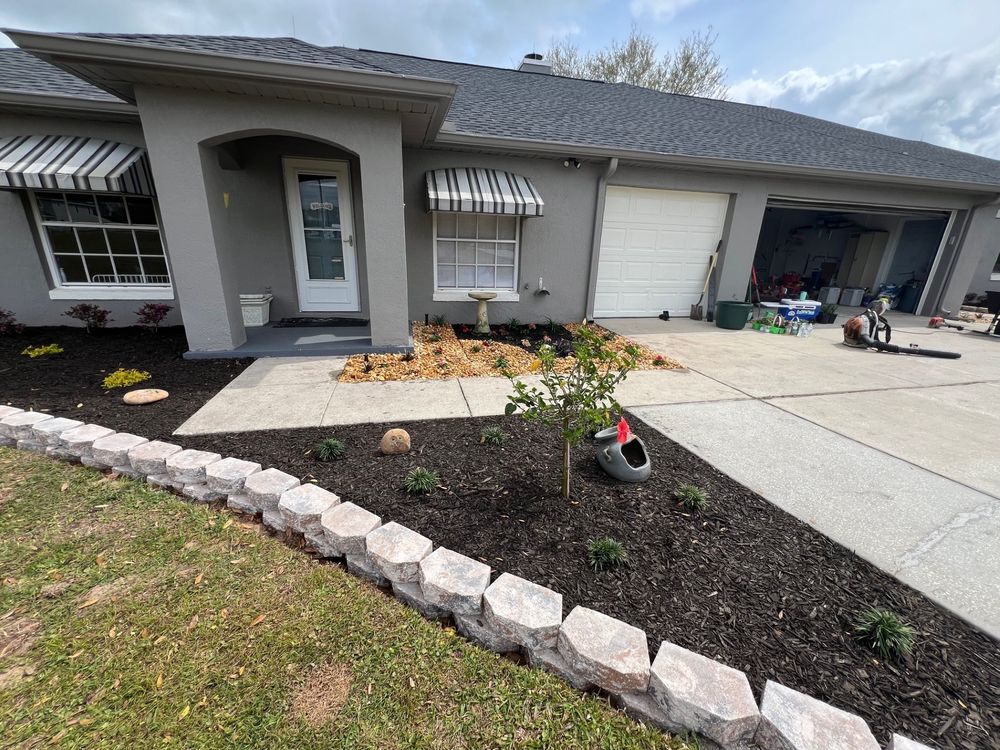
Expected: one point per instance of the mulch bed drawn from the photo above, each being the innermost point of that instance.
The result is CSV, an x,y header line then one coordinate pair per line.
x,y
69,384
742,581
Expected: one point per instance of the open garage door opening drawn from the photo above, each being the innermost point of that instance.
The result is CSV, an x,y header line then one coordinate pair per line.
x,y
849,255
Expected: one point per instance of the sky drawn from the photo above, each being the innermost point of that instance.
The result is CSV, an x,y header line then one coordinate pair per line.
x,y
910,68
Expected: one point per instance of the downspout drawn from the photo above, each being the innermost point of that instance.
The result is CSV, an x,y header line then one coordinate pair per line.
x,y
971,212
595,246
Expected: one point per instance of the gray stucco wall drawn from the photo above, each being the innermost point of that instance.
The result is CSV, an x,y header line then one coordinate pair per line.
x,y
24,280
555,246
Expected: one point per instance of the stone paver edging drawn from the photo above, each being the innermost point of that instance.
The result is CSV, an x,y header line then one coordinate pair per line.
x,y
680,691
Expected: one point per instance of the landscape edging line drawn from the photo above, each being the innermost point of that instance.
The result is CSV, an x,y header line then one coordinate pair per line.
x,y
596,651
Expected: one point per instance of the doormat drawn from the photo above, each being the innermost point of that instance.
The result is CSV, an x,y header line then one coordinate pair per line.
x,y
319,322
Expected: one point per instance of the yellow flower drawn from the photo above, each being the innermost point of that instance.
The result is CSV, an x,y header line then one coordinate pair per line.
x,y
536,365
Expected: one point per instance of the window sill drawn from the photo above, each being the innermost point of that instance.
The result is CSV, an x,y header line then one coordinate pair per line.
x,y
995,277
453,295
110,293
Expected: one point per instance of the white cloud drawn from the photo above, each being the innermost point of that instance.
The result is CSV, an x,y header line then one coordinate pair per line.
x,y
951,99
661,10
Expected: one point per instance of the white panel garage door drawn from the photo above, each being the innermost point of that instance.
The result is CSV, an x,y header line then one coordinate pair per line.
x,y
655,249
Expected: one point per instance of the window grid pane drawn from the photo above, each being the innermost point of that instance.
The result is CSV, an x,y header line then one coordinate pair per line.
x,y
92,241
476,251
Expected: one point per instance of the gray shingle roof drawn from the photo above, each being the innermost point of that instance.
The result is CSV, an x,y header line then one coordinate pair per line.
x,y
508,103
24,73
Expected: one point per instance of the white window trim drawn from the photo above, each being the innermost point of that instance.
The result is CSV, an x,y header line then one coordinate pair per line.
x,y
461,294
83,291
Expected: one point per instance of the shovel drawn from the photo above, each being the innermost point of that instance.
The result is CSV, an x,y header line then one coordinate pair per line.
x,y
697,311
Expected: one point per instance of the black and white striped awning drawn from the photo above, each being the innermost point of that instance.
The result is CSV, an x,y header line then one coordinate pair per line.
x,y
482,191
64,162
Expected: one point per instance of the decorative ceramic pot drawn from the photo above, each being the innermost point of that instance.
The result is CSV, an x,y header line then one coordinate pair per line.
x,y
628,461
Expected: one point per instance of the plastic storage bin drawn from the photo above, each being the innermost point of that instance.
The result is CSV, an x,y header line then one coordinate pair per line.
x,y
851,296
829,295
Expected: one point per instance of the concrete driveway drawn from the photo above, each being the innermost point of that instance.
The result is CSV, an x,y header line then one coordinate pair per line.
x,y
895,457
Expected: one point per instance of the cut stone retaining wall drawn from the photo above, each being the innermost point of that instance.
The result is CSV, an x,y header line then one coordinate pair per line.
x,y
680,691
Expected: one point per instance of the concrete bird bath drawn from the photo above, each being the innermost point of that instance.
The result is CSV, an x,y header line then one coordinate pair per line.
x,y
482,318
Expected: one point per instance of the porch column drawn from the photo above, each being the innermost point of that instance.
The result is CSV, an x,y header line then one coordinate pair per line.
x,y
205,286
746,214
385,242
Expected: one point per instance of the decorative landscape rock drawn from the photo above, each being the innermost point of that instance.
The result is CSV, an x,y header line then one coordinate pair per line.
x,y
899,742
319,545
454,582
396,552
145,396
606,651
262,491
394,442
49,431
642,707
302,507
523,612
274,519
7,411
229,475
18,426
362,567
345,528
151,458
201,493
790,720
477,630
77,441
188,466
31,446
550,660
164,481
413,596
112,451
702,695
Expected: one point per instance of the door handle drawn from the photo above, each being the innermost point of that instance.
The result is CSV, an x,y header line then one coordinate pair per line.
x,y
349,240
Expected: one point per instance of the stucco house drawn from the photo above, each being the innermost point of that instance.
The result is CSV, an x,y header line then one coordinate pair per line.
x,y
385,187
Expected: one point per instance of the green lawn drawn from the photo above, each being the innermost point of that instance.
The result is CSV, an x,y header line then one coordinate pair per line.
x,y
131,619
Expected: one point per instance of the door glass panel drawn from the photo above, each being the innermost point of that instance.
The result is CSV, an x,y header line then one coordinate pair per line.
x,y
320,202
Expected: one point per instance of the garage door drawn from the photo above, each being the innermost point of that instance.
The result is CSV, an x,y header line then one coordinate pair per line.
x,y
655,248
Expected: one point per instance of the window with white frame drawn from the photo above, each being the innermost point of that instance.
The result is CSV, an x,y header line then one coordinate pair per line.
x,y
476,251
101,239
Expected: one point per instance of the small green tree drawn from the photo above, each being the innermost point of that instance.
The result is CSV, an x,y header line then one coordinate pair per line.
x,y
580,400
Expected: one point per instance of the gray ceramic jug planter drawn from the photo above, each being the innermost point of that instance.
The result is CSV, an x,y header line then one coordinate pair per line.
x,y
628,461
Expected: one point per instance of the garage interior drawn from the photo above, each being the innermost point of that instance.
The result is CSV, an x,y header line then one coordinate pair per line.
x,y
847,255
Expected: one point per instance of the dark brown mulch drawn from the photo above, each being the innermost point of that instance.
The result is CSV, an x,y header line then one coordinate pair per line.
x,y
528,336
69,384
742,581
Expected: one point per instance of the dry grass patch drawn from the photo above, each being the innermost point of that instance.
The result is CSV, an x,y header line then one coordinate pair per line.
x,y
323,694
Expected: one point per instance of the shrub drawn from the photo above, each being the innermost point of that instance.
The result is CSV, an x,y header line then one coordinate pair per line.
x,y
152,314
492,436
330,449
439,320
434,338
475,348
92,316
420,481
41,351
578,401
884,632
659,360
8,323
605,553
501,363
408,356
122,378
692,497
513,324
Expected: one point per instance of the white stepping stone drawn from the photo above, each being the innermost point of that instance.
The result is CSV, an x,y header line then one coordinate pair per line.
x,y
702,695
790,720
413,596
608,652
523,612
302,507
151,458
188,466
78,440
477,630
229,475
262,491
345,528
454,582
899,742
396,552
18,426
49,431
113,449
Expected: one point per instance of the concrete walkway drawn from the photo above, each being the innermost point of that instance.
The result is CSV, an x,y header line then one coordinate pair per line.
x,y
895,457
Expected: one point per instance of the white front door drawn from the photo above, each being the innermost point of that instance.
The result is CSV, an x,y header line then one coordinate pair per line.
x,y
655,248
320,217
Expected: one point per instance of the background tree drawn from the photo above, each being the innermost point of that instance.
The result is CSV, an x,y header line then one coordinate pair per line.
x,y
694,68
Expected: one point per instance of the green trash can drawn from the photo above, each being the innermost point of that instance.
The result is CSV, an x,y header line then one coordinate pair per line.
x,y
732,315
